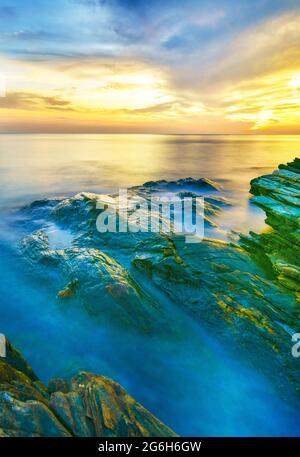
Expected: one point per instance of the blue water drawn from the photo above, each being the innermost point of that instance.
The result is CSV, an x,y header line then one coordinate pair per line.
x,y
185,375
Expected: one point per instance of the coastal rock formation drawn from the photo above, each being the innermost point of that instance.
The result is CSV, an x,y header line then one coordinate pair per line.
x,y
220,285
247,293
102,285
79,213
24,402
278,250
88,405
249,290
95,268
202,184
97,406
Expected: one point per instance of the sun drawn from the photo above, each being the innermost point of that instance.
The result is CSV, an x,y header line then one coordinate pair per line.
x,y
295,82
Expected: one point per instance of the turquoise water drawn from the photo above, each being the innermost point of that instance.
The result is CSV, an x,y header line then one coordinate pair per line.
x,y
185,375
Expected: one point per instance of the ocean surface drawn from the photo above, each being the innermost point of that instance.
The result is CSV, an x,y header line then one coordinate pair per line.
x,y
194,384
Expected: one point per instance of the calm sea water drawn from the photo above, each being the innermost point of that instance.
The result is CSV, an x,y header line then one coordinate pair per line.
x,y
193,384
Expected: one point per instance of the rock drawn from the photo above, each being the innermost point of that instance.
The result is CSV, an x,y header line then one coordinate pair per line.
x,y
69,290
15,359
220,285
246,293
253,286
88,405
58,385
278,249
90,271
185,183
79,213
103,286
24,401
187,188
98,406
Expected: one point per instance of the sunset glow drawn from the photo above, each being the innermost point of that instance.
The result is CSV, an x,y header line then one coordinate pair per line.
x,y
106,67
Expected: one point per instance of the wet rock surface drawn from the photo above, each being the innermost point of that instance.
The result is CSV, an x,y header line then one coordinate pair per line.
x,y
25,408
246,293
88,405
97,406
278,195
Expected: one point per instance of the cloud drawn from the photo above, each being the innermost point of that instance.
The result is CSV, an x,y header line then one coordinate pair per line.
x,y
137,60
272,46
274,102
32,101
170,109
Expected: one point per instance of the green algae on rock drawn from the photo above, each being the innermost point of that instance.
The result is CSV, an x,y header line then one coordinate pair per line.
x,y
246,293
221,286
25,409
88,405
103,286
92,268
97,406
278,194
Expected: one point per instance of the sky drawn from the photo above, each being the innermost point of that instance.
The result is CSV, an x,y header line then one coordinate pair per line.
x,y
156,66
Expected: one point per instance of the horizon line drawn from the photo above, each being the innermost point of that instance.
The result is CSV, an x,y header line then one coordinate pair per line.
x,y
149,133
